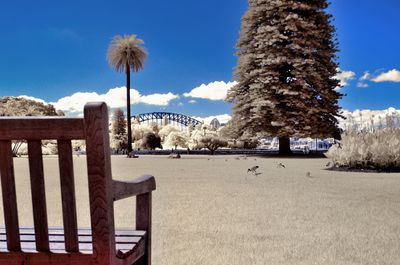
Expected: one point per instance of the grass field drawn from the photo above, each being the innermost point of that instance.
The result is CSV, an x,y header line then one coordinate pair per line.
x,y
209,210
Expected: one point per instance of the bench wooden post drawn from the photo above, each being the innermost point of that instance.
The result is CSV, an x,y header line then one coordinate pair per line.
x,y
143,222
100,183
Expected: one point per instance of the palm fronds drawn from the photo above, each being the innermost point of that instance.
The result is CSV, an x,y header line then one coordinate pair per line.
x,y
126,51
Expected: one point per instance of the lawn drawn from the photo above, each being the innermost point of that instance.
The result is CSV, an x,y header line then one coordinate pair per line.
x,y
209,210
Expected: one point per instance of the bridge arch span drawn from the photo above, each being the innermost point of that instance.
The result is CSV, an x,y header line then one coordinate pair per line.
x,y
170,116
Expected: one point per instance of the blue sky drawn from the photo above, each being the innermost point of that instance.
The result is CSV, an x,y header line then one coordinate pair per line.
x,y
53,49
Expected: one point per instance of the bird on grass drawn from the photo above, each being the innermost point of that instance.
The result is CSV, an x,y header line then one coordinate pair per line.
x,y
280,165
253,170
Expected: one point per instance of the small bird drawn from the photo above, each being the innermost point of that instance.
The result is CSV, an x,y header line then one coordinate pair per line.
x,y
280,165
308,174
253,170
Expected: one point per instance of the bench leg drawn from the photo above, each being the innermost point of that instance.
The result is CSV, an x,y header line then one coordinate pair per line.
x,y
143,222
142,261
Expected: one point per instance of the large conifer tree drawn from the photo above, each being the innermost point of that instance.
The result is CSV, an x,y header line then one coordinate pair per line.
x,y
286,68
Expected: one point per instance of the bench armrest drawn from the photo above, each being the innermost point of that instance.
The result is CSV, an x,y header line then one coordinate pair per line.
x,y
141,185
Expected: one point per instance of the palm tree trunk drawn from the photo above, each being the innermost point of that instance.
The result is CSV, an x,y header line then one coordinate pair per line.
x,y
128,106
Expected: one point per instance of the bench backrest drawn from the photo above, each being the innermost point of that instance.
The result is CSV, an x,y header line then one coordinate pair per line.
x,y
93,128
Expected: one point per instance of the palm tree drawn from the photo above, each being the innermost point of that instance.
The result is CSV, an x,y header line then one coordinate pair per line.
x,y
123,54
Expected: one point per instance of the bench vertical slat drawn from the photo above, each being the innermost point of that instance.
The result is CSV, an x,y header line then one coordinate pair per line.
x,y
143,222
100,183
38,195
9,196
68,195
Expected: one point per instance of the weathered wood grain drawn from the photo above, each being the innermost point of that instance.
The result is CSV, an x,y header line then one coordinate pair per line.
x,y
81,231
143,222
44,258
100,183
38,194
9,196
125,189
34,128
127,241
68,195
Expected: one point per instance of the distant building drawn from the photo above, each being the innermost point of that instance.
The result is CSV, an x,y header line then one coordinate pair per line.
x,y
215,123
304,144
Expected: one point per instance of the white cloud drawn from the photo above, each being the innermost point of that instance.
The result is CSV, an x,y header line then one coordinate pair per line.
x,y
180,104
192,101
362,84
365,76
364,118
214,91
222,118
158,99
344,77
115,98
390,76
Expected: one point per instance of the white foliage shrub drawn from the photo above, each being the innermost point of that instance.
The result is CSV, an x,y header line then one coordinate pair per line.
x,y
199,133
167,130
176,139
139,130
48,148
368,149
78,145
138,144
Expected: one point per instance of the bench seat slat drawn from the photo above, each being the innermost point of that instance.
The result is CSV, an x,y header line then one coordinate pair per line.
x,y
81,239
42,258
56,247
81,231
125,240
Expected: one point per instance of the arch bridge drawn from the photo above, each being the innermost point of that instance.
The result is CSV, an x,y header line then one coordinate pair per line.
x,y
167,116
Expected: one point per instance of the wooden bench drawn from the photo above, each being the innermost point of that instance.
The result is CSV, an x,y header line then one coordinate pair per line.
x,y
102,243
